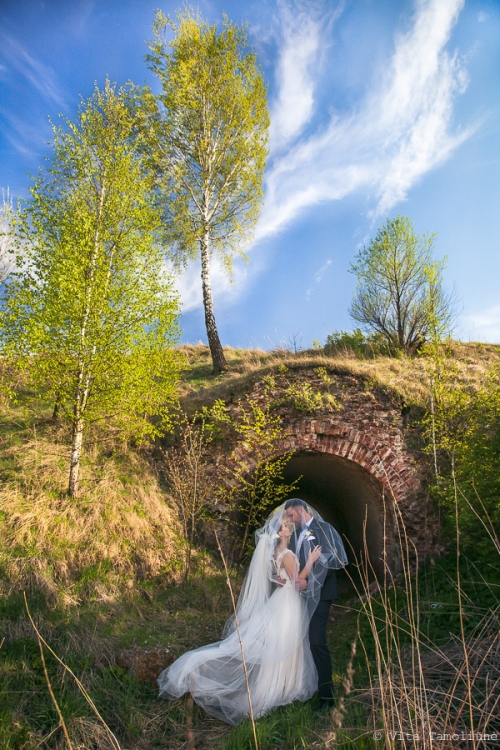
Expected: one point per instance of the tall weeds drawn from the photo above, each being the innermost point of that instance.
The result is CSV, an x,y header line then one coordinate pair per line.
x,y
423,693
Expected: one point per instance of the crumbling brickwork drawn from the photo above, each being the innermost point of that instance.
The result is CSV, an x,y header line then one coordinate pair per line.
x,y
362,425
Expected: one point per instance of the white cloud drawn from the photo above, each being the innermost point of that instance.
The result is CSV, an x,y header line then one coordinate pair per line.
x,y
484,326
396,135
189,284
414,109
318,276
40,76
293,107
27,138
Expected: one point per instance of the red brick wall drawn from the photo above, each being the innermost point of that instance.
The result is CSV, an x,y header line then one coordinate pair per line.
x,y
364,426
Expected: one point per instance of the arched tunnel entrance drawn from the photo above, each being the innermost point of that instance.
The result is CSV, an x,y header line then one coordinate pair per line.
x,y
358,468
352,500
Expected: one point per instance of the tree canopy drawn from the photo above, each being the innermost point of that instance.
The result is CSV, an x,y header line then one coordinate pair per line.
x,y
90,310
209,126
400,293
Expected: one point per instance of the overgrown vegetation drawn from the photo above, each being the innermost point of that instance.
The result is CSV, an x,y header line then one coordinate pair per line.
x,y
103,573
357,343
89,311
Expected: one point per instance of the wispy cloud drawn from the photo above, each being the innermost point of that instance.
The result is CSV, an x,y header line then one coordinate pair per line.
x,y
27,138
300,40
401,130
40,76
414,112
81,12
318,277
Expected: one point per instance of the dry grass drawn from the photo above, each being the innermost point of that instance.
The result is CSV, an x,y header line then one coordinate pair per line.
x,y
405,377
421,693
454,693
119,531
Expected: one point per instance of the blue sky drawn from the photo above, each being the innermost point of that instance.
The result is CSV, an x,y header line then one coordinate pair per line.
x,y
378,108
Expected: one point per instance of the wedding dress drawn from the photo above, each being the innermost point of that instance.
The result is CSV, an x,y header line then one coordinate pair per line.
x,y
273,631
268,634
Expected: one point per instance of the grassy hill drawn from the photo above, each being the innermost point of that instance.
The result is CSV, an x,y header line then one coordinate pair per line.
x,y
101,573
406,377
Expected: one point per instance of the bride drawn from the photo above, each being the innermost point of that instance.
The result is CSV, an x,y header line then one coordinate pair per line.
x,y
268,635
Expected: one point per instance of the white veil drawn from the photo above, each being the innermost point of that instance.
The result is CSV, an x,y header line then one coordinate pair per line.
x,y
272,634
261,579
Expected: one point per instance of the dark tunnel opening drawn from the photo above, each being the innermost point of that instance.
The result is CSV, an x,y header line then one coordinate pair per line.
x,y
346,495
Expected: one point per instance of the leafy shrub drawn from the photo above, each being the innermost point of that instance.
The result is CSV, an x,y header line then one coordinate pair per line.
x,y
303,397
357,343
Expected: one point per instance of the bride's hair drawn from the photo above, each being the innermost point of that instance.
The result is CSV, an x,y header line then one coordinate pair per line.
x,y
286,522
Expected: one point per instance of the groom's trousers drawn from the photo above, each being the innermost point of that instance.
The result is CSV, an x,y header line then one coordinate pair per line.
x,y
319,649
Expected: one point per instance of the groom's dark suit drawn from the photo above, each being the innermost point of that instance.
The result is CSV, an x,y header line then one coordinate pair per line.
x,y
319,620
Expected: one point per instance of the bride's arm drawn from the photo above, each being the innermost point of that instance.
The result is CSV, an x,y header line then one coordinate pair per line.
x,y
291,565
313,556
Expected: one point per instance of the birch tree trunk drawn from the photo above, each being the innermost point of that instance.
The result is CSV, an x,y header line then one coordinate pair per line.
x,y
218,359
76,452
84,368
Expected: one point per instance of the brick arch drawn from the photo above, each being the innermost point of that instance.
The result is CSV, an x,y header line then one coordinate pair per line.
x,y
380,460
362,439
382,489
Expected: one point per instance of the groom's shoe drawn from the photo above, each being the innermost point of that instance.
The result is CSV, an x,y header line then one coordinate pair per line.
x,y
325,705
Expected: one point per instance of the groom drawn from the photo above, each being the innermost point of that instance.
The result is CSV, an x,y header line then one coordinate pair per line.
x,y
307,527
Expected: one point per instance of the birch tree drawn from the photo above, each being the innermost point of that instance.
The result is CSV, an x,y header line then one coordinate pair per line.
x,y
400,294
210,128
89,310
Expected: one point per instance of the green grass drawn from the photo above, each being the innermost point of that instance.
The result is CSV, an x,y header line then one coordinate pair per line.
x,y
180,617
88,640
116,587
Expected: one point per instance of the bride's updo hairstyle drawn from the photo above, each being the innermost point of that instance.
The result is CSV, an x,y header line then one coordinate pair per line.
x,y
284,522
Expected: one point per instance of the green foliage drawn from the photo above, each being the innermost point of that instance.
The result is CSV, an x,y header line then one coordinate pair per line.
x,y
208,132
463,433
254,480
90,313
366,346
303,397
471,482
399,294
211,128
322,373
